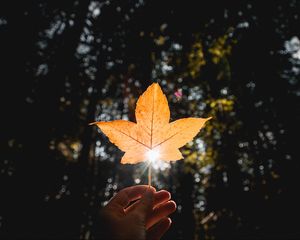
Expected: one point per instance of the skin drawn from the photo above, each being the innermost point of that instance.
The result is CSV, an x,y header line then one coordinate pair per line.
x,y
137,212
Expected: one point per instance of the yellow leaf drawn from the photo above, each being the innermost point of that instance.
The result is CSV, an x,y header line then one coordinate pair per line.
x,y
152,131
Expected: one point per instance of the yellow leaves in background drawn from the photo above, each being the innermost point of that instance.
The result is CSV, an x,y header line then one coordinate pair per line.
x,y
221,104
69,149
196,59
220,49
160,40
219,107
195,160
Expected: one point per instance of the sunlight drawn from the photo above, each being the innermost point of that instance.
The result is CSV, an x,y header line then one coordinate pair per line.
x,y
152,155
153,159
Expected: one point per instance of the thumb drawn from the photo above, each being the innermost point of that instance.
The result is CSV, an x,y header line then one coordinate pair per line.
x,y
146,203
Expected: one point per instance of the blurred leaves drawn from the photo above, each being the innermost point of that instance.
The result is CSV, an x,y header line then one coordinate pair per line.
x,y
82,61
196,59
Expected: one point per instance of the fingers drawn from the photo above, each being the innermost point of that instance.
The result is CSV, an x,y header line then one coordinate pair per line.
x,y
159,197
159,229
126,195
145,205
160,212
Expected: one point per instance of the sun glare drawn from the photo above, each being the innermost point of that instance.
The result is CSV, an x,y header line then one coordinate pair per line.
x,y
152,155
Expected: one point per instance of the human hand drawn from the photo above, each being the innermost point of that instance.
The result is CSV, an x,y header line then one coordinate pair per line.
x,y
145,219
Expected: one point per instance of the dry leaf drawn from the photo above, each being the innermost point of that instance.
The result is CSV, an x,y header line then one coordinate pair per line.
x,y
152,130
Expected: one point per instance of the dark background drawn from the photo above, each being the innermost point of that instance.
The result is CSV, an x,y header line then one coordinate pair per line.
x,y
65,64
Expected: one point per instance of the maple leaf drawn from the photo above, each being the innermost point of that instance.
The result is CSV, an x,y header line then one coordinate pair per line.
x,y
152,130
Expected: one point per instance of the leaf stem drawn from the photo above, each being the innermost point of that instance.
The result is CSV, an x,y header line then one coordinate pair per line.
x,y
149,175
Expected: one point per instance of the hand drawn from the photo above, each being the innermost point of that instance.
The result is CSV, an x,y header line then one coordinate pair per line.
x,y
145,219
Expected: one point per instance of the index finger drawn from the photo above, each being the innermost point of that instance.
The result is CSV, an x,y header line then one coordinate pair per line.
x,y
129,194
159,197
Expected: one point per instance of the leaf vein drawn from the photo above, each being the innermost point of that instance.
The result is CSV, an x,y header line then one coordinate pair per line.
x,y
130,137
